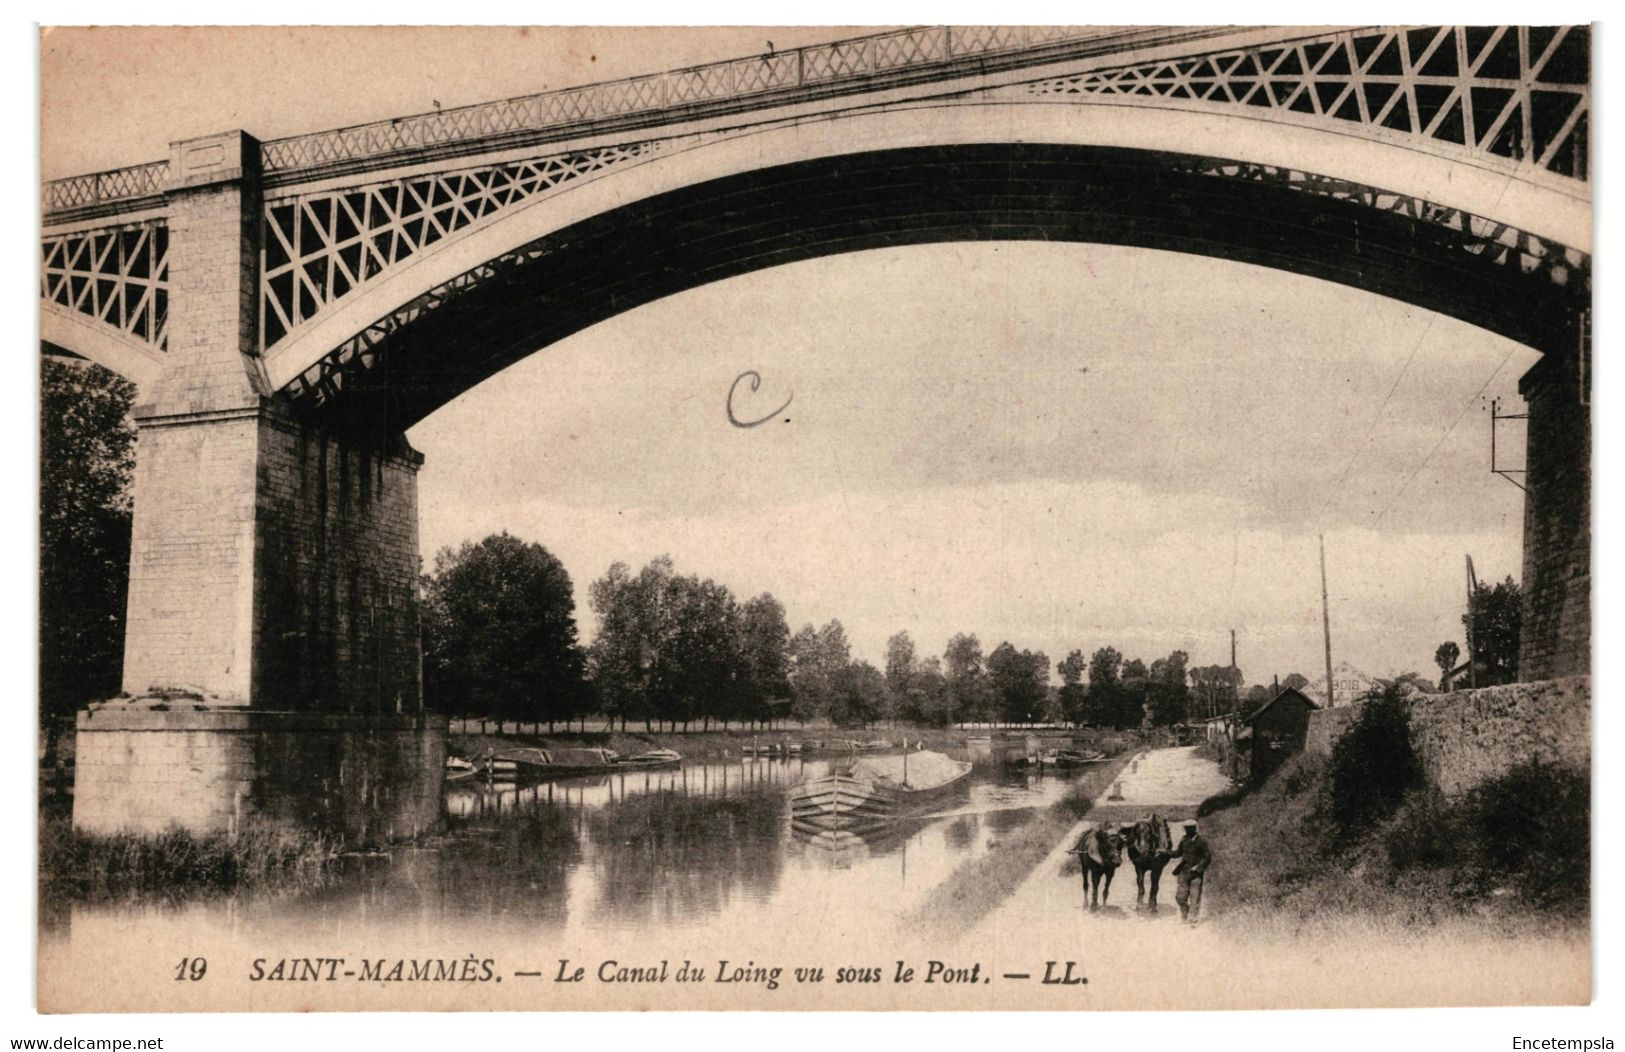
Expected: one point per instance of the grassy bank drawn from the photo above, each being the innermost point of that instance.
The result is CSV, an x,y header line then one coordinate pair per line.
x,y
980,885
81,866
1512,856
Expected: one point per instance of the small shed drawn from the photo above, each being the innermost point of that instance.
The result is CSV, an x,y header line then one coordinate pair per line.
x,y
1220,727
1278,729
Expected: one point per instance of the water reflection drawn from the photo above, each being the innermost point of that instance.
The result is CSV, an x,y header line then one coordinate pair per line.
x,y
668,858
704,846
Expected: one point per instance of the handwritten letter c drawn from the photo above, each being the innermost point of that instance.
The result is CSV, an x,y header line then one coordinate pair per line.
x,y
755,385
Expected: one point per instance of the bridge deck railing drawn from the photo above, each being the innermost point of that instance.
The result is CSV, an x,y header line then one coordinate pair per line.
x,y
733,79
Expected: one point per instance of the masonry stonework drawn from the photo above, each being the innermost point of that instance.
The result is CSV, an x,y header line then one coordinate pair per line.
x,y
1470,735
272,654
1555,634
336,572
367,779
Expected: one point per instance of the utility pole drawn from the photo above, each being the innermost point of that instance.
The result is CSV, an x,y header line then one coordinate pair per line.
x,y
1472,654
1326,624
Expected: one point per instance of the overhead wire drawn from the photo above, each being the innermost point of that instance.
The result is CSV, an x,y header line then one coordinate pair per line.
x,y
1448,431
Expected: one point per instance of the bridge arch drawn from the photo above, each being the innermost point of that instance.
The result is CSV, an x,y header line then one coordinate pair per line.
x,y
1508,257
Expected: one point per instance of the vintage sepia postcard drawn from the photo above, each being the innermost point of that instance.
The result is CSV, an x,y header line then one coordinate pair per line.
x,y
922,518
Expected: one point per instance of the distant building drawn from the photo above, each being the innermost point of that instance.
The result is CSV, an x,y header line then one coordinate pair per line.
x,y
1278,730
1350,684
1216,728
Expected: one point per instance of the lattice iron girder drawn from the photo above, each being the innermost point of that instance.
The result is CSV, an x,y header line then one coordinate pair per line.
x,y
324,380
1531,262
819,64
1533,255
118,276
1516,94
319,247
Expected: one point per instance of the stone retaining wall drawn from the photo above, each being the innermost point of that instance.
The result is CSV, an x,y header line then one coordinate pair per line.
x,y
1470,735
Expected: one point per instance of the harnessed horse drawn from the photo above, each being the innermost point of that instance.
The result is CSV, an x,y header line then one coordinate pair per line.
x,y
1149,849
1100,852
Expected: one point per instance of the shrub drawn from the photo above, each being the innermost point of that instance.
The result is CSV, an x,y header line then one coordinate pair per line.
x,y
1373,764
1533,827
1430,832
1306,773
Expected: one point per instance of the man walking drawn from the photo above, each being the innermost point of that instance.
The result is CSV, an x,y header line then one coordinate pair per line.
x,y
1194,858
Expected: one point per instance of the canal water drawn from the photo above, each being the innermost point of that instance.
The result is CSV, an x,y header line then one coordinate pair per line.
x,y
662,856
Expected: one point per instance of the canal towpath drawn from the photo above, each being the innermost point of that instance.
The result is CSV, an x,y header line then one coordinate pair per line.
x,y
1171,782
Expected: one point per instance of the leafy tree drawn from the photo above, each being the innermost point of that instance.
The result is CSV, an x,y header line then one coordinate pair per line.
x,y
1072,694
1168,700
817,657
901,664
1492,621
970,699
1132,694
1104,701
766,650
87,455
1295,680
699,670
928,700
500,632
1020,681
1446,658
857,695
1216,688
632,631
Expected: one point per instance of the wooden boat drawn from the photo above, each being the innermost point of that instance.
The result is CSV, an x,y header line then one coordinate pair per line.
x,y
1078,758
877,789
653,760
780,748
525,763
458,769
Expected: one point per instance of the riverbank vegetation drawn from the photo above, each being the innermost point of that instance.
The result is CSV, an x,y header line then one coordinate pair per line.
x,y
80,866
1362,833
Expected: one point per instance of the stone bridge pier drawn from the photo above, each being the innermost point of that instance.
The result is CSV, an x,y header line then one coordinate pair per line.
x,y
272,663
1555,624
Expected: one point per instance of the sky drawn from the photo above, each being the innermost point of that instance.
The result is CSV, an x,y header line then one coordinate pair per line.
x,y
1063,446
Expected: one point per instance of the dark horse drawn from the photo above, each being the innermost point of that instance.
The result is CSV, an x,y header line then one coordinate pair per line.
x,y
1100,852
1150,846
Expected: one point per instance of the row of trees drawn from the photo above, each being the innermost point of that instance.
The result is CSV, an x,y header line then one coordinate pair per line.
x,y
500,639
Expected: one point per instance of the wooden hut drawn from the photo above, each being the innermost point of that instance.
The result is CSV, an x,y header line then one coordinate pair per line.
x,y
1278,730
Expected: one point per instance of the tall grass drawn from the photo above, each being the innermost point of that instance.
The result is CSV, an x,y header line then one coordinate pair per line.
x,y
1512,855
88,866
